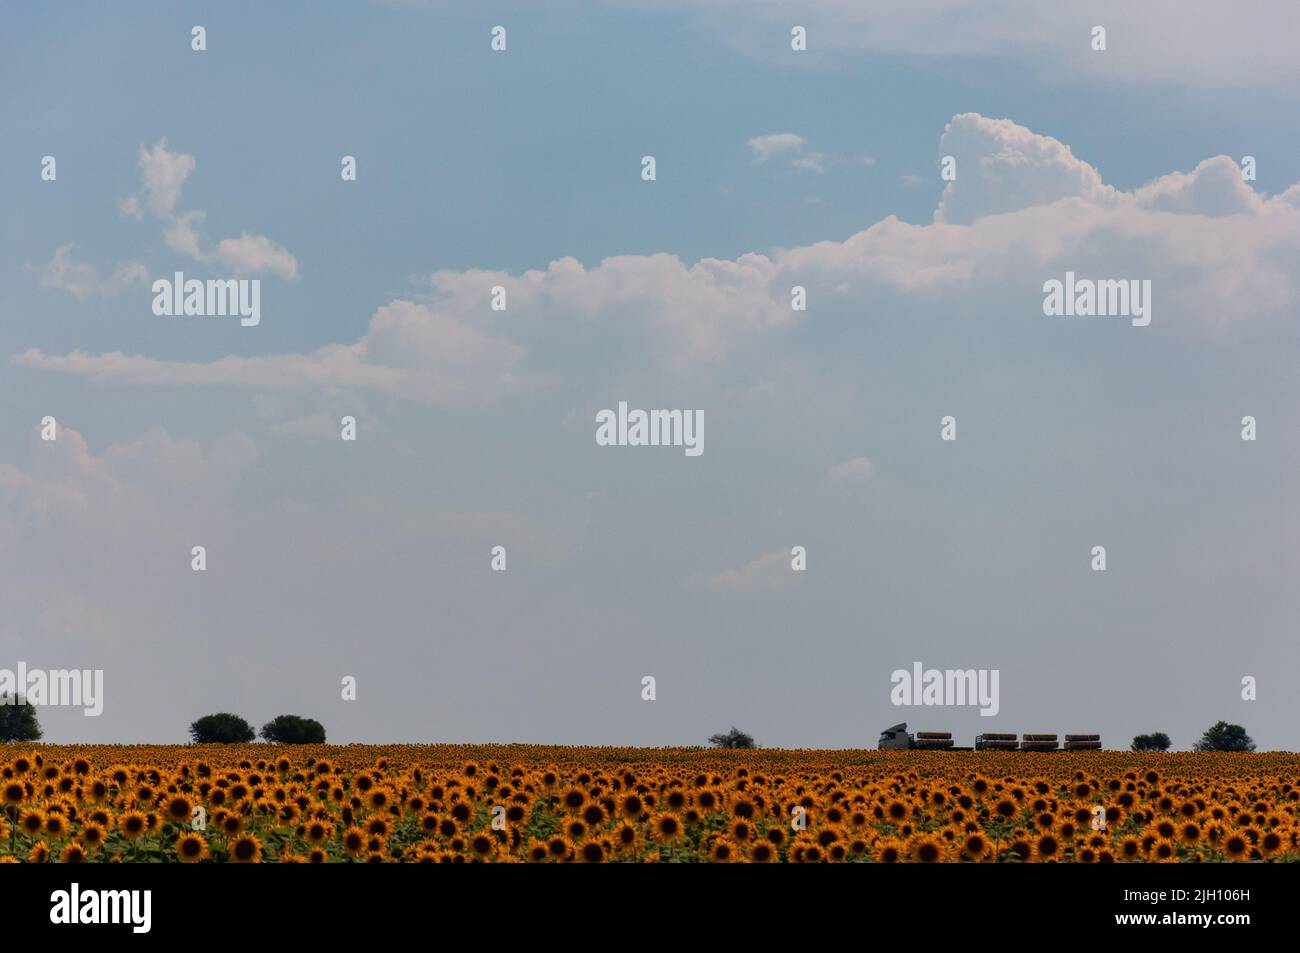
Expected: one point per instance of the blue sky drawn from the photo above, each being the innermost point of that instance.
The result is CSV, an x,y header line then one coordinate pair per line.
x,y
522,169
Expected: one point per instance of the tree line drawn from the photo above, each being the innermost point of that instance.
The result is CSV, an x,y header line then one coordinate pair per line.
x,y
18,722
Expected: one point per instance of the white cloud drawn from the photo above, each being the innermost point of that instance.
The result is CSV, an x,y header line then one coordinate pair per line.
x,y
768,571
83,280
65,479
1190,43
773,144
255,254
1024,208
794,149
1003,167
181,236
858,469
410,351
1214,187
811,162
162,175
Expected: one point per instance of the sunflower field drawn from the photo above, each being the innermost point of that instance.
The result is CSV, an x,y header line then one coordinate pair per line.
x,y
533,804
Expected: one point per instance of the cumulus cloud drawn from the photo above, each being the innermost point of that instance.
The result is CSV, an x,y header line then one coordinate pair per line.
x,y
1023,208
768,571
794,148
1003,167
255,254
1214,187
180,232
856,470
410,350
83,280
162,177
776,143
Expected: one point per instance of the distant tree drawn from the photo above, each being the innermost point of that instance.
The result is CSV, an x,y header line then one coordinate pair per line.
x,y
1222,736
18,719
222,728
294,730
1156,741
735,738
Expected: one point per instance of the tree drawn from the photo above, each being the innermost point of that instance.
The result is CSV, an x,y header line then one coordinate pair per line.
x,y
1156,741
222,728
1222,736
18,719
294,730
735,738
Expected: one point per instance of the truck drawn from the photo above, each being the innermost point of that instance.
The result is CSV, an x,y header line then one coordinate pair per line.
x,y
897,738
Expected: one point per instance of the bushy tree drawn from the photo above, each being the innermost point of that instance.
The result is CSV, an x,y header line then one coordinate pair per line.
x,y
294,730
735,738
222,728
1156,741
18,719
1222,736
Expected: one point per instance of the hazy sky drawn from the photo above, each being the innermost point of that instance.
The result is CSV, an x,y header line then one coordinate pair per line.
x,y
476,428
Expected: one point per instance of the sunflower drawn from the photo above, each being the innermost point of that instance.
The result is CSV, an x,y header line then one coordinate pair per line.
x,y
317,832
724,851
73,853
591,851
665,827
31,822
743,808
925,849
1236,846
1130,848
191,848
179,808
975,846
1271,844
246,849
896,811
761,852
631,806
1020,847
39,853
354,841
626,837
93,835
1005,808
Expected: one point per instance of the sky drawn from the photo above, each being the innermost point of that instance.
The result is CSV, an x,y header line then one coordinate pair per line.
x,y
774,168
